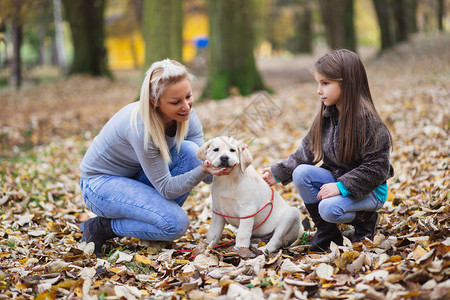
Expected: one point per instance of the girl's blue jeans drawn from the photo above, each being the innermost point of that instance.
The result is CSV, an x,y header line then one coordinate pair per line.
x,y
135,207
338,209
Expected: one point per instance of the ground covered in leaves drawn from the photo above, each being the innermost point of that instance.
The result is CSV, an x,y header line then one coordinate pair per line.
x,y
42,207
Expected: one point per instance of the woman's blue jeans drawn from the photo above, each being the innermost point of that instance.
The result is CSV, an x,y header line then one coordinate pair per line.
x,y
338,209
134,206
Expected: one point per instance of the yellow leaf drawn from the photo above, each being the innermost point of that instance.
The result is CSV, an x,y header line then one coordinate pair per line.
x,y
53,227
287,195
346,258
202,230
143,259
118,271
69,283
350,256
79,291
390,196
395,258
419,252
340,263
182,261
21,286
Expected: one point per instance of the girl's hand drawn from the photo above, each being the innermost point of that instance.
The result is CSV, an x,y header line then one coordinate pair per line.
x,y
208,169
268,177
328,190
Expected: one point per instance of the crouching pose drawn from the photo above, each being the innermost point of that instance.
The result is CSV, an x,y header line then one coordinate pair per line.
x,y
353,144
141,167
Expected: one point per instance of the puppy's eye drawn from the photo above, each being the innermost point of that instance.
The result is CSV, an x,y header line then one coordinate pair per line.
x,y
232,150
216,150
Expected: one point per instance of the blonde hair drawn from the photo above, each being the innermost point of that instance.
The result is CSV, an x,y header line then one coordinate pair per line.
x,y
160,75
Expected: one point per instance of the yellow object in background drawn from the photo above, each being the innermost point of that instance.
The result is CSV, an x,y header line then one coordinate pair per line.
x,y
128,52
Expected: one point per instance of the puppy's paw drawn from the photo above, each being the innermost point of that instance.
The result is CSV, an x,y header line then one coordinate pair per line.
x,y
244,252
263,249
268,248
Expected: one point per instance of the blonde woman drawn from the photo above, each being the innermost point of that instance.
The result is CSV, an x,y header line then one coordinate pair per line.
x,y
141,167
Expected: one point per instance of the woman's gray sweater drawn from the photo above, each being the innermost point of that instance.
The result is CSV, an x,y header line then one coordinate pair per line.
x,y
119,150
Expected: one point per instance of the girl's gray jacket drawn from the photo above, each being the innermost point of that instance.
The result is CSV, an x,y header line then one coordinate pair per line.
x,y
360,177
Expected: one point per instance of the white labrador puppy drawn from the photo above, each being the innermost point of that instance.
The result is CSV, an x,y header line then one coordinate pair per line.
x,y
245,200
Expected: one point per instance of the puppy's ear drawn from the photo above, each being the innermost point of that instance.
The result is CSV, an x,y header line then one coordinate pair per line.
x,y
245,158
201,153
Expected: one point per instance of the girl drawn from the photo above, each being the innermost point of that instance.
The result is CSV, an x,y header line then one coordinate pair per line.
x,y
141,167
351,141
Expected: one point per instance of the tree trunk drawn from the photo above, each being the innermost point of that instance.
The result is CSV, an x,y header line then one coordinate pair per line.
x,y
232,62
338,19
440,18
401,22
383,10
162,30
3,56
411,10
17,43
86,18
302,41
138,6
60,51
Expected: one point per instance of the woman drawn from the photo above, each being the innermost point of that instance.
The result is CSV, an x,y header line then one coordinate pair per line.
x,y
141,167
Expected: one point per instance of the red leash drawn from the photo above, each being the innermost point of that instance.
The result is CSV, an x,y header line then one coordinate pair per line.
x,y
270,212
271,208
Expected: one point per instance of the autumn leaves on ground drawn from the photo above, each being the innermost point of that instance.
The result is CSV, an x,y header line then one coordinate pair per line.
x,y
53,124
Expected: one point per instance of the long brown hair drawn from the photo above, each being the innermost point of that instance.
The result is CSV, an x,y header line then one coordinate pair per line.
x,y
356,103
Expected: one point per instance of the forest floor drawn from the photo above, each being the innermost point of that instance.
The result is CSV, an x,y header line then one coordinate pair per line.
x,y
46,129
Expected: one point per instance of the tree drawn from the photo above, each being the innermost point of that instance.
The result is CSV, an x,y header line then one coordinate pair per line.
x,y
396,19
401,21
303,25
60,52
338,19
301,40
162,30
411,10
17,42
232,62
441,10
383,11
86,19
13,13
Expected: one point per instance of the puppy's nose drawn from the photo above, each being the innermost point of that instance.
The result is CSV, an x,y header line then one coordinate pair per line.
x,y
224,160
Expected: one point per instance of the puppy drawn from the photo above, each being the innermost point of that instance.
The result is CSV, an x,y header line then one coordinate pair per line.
x,y
238,196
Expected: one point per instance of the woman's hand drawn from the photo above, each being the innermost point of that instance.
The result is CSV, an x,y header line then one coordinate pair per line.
x,y
209,169
268,177
328,190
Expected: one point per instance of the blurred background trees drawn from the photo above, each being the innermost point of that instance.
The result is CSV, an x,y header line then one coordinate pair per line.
x,y
219,39
231,60
86,20
338,19
162,27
